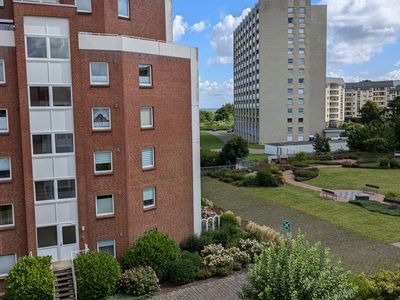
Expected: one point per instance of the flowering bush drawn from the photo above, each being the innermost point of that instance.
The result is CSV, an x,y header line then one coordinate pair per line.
x,y
139,281
252,247
265,233
206,212
240,258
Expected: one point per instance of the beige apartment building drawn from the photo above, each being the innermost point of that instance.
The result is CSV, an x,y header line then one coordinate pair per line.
x,y
335,95
279,72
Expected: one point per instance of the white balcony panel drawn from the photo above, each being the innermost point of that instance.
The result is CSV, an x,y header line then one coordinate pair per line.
x,y
67,212
35,25
40,121
38,73
57,26
42,168
64,166
45,214
63,120
60,72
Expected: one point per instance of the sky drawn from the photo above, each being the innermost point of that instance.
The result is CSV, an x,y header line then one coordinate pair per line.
x,y
363,40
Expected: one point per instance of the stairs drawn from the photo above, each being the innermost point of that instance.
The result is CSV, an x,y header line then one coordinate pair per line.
x,y
64,288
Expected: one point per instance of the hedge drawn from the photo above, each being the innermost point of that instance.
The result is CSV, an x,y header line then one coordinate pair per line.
x,y
377,207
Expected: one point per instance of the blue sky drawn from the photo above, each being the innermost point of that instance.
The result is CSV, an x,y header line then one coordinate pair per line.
x,y
363,40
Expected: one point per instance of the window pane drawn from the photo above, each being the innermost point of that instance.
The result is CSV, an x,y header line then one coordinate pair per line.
x,y
104,205
5,172
7,262
44,190
84,5
64,143
66,189
107,247
42,144
36,47
149,197
101,118
148,158
103,161
59,48
3,120
123,8
145,75
6,216
99,72
47,236
39,95
69,235
61,96
146,117
2,78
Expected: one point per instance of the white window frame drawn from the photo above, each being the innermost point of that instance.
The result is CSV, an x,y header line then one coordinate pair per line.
x,y
94,162
10,165
153,158
8,125
13,217
108,74
129,8
3,63
84,11
1,3
106,214
15,260
98,246
101,128
154,197
151,75
152,117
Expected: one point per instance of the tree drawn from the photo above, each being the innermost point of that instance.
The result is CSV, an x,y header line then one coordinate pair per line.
x,y
371,113
321,144
393,109
235,148
206,116
225,113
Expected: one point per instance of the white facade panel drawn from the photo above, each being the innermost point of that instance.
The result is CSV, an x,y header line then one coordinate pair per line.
x,y
64,166
34,25
60,72
40,121
57,26
7,38
63,120
45,214
38,72
42,168
67,212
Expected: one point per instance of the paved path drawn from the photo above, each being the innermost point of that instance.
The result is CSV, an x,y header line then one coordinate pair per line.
x,y
212,289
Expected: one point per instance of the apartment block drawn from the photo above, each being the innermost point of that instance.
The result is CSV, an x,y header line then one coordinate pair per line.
x,y
335,95
99,127
279,72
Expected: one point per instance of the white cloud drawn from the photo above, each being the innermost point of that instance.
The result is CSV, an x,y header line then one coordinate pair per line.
x,y
359,29
222,37
397,64
199,27
179,27
215,94
392,75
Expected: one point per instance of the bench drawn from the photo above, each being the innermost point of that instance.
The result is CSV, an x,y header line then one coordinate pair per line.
x,y
329,194
371,189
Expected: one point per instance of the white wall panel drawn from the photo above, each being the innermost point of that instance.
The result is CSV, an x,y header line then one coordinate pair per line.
x,y
63,120
45,214
60,72
57,26
42,168
35,25
67,212
40,120
64,166
37,72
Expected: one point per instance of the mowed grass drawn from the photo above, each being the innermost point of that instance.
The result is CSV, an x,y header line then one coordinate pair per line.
x,y
256,157
355,179
208,141
374,225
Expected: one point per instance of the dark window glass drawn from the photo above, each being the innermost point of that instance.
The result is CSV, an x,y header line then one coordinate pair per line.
x,y
44,190
61,96
69,235
36,47
64,143
42,144
47,236
6,215
66,189
39,96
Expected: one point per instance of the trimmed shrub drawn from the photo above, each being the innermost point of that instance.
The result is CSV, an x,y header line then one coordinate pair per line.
x,y
194,258
229,218
139,282
384,162
265,233
97,275
32,279
377,207
301,156
305,174
209,158
240,258
249,180
186,268
392,198
266,179
195,243
252,247
394,164
217,260
153,249
297,271
384,285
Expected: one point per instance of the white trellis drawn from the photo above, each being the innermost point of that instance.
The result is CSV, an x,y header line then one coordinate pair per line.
x,y
211,223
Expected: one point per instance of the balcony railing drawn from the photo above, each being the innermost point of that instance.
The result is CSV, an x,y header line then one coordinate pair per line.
x,y
7,26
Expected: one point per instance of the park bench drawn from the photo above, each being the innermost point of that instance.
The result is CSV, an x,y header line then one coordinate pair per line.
x,y
329,194
371,189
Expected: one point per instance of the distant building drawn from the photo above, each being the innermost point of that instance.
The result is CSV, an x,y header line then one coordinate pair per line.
x,y
335,96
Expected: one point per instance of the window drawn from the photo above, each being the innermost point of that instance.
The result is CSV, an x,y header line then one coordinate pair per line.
x,y
302,31
123,8
290,101
301,110
59,48
39,96
290,50
41,144
290,91
290,80
101,118
64,143
105,205
301,91
290,20
66,189
300,138
301,120
5,168
301,72
148,158
290,41
106,246
3,120
290,130
302,10
290,111
103,162
1,4
69,235
301,80
36,47
146,117
301,129
149,199
290,138
290,120
7,262
84,5
145,75
301,41
302,20
6,216
290,61
61,96
290,10
302,50
99,73
290,31
301,61
44,190
290,72
301,101
2,72
47,237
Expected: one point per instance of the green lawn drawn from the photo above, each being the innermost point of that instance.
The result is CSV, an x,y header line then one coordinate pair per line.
x,y
208,141
256,146
355,179
257,157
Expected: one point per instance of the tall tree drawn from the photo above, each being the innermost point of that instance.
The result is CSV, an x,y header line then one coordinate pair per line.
x,y
235,148
371,113
321,144
393,109
206,116
225,113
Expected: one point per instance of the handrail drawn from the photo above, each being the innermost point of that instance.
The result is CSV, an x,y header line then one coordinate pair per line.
x,y
73,255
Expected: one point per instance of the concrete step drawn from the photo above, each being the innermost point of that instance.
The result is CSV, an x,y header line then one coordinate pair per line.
x,y
64,287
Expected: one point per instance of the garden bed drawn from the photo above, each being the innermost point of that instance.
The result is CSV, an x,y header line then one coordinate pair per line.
x,y
377,207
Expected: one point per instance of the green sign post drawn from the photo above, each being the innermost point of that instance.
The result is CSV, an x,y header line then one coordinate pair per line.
x,y
287,227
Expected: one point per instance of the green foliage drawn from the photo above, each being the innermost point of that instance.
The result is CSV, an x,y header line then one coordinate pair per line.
x,y
371,113
393,109
225,113
301,156
153,249
139,281
321,144
235,148
266,179
229,218
32,279
209,158
384,285
392,198
186,268
377,207
384,162
206,116
297,271
97,275
249,180
195,243
305,174
394,164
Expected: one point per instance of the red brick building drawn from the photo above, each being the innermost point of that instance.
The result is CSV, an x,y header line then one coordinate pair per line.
x,y
99,138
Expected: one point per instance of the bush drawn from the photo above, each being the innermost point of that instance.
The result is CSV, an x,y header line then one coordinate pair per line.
x,y
384,162
240,258
32,279
229,218
377,207
384,285
265,233
252,247
195,243
249,180
392,198
153,249
305,174
235,148
266,179
97,275
297,271
394,164
186,268
301,156
194,258
139,282
209,158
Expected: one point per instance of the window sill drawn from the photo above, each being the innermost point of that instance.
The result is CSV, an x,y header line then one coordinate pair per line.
x,y
5,133
149,169
83,12
5,228
104,173
124,18
148,209
147,128
145,87
106,85
105,217
102,130
5,180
